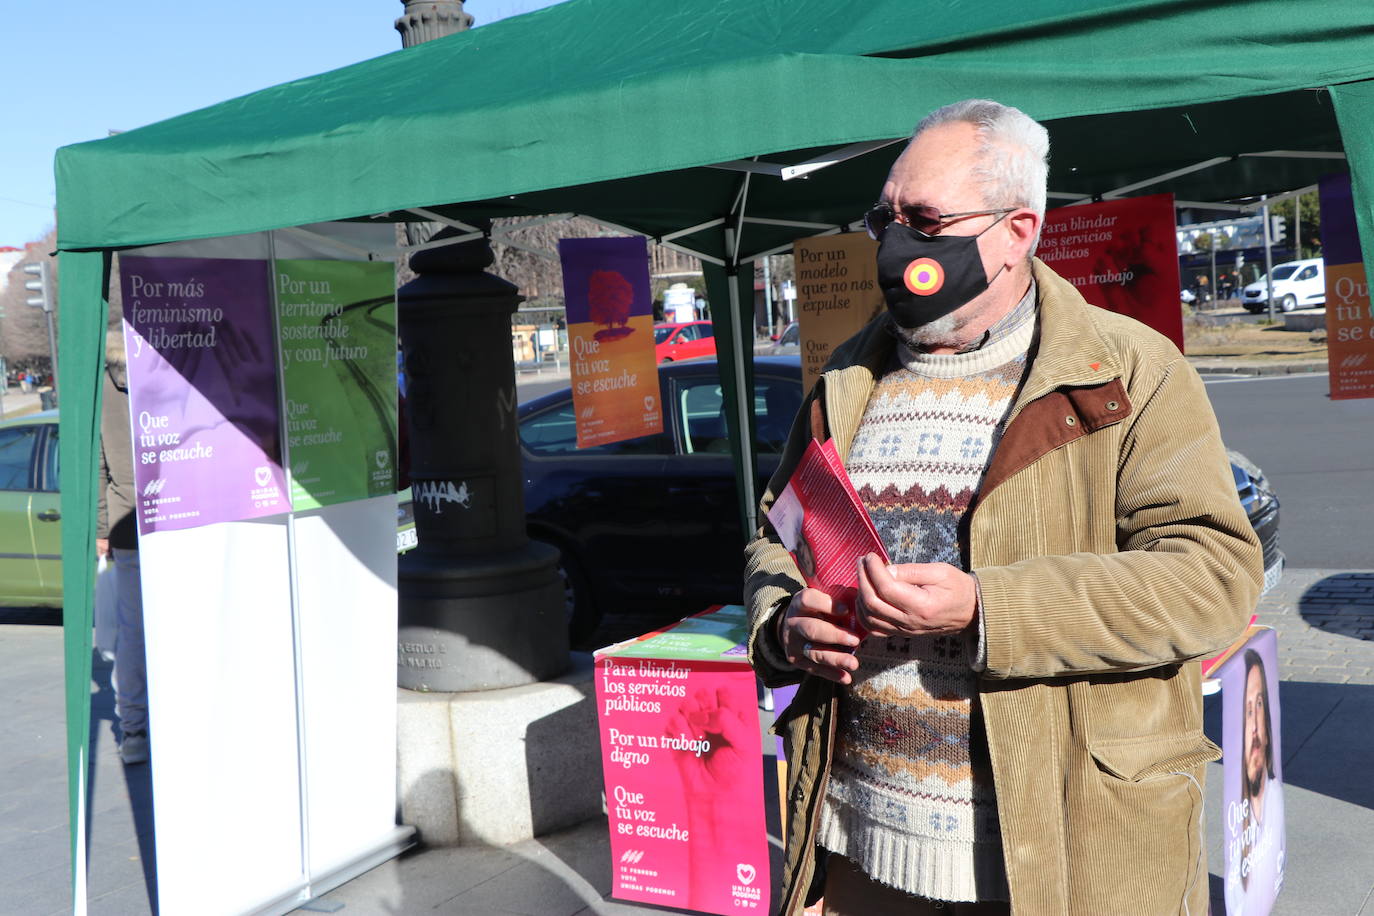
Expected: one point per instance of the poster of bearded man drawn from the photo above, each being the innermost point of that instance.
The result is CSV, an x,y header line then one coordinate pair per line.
x,y
1253,775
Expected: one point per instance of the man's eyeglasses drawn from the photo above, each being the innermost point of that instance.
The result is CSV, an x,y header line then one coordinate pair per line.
x,y
924,219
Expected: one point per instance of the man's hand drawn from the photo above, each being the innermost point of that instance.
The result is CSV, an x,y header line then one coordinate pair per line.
x,y
914,599
102,547
813,640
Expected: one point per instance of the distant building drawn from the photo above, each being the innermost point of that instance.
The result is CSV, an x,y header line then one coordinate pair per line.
x,y
8,258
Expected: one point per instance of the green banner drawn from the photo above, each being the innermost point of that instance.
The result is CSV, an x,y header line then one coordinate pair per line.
x,y
337,327
718,636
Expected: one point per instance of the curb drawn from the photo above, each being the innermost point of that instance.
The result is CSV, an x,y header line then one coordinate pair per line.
x,y
1305,367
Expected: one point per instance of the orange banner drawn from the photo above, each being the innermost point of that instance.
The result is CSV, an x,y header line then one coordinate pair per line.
x,y
1349,323
837,294
1349,332
613,372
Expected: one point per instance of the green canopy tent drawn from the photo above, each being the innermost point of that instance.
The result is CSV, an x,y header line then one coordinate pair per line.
x,y
725,128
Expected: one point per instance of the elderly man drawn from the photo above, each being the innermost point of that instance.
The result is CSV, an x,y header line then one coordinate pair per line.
x,y
1018,729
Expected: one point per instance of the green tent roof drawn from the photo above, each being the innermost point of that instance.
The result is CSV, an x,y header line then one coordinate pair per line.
x,y
578,98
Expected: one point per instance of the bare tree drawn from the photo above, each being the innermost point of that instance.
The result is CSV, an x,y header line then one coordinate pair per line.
x,y
540,277
24,329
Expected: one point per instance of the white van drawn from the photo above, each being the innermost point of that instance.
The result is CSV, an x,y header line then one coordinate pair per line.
x,y
1297,285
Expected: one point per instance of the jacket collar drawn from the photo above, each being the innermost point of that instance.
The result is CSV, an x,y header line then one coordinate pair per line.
x,y
1070,350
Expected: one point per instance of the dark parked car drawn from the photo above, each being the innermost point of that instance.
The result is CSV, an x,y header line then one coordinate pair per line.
x,y
652,525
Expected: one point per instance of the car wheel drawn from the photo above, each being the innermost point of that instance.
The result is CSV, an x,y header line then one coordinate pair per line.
x,y
582,615
667,359
1288,302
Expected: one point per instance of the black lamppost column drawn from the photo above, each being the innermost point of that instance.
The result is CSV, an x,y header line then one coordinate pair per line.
x,y
424,20
481,605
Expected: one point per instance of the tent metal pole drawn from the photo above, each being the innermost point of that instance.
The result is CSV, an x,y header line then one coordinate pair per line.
x,y
1297,154
1135,186
802,169
333,243
679,233
536,221
750,258
537,252
747,165
790,223
673,245
696,254
438,218
1211,205
835,157
1275,198
740,202
432,243
743,400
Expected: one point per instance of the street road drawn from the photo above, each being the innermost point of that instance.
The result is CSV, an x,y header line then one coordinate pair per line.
x,y
1319,456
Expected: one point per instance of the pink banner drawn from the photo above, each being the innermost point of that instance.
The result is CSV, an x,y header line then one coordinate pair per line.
x,y
1122,255
682,757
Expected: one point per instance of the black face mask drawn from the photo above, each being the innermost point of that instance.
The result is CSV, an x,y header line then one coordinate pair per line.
x,y
925,277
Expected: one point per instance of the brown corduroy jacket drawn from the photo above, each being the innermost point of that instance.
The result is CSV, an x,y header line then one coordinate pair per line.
x,y
1111,552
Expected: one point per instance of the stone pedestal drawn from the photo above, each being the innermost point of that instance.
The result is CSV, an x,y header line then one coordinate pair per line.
x,y
500,766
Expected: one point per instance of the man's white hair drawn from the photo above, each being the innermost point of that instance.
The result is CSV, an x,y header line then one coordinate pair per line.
x,y
1013,150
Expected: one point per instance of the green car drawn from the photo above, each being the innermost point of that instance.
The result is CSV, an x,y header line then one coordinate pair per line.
x,y
30,512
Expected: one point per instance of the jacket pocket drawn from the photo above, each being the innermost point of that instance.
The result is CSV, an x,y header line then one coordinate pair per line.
x,y
1138,759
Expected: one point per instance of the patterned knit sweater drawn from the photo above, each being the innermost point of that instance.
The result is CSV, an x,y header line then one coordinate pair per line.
x,y
911,796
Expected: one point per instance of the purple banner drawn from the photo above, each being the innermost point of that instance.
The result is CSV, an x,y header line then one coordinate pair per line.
x,y
202,391
1253,829
611,334
1340,237
606,282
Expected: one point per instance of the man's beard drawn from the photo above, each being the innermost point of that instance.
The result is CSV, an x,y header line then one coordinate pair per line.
x,y
942,332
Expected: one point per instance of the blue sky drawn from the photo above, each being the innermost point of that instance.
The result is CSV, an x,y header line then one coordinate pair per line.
x,y
76,70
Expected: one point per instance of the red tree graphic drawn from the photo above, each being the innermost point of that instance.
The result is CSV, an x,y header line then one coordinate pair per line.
x,y
610,298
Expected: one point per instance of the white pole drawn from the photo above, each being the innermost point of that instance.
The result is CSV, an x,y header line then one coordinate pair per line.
x,y
1268,261
1297,228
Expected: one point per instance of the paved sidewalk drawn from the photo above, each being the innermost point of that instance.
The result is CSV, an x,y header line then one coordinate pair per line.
x,y
1325,624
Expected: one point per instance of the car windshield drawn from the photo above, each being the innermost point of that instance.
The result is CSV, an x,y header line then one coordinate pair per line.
x,y
663,332
1283,271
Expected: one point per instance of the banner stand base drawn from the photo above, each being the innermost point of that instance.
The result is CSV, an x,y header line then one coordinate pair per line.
x,y
391,845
